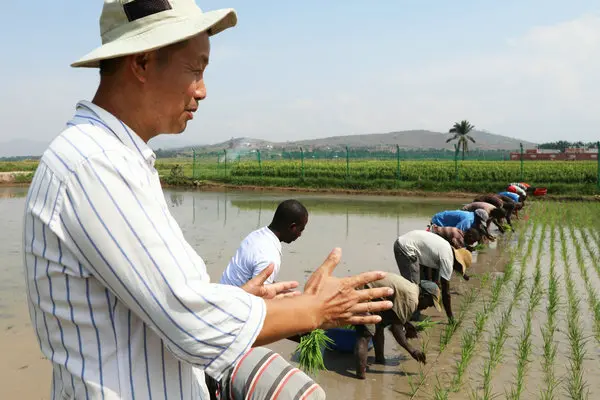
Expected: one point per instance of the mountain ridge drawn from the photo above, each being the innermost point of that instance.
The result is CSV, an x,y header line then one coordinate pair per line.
x,y
409,140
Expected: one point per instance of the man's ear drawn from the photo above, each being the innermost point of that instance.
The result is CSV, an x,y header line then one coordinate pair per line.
x,y
138,63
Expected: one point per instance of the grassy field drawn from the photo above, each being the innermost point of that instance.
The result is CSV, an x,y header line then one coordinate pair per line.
x,y
560,177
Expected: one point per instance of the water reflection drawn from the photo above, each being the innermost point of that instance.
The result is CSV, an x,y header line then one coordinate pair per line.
x,y
12,192
399,208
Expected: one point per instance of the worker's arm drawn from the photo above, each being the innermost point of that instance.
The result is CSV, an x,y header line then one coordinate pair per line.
x,y
498,225
400,335
446,298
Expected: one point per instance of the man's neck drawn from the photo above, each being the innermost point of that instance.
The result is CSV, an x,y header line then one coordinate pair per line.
x,y
275,232
119,104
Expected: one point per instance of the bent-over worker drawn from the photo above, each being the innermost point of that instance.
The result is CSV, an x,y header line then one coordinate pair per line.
x,y
408,297
496,214
419,250
457,238
463,220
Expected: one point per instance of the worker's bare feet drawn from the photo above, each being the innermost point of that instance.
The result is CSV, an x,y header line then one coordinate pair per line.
x,y
380,361
361,374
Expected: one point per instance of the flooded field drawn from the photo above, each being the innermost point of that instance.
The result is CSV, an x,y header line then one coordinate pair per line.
x,y
528,323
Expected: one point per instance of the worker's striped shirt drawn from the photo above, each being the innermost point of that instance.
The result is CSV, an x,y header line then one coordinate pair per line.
x,y
121,304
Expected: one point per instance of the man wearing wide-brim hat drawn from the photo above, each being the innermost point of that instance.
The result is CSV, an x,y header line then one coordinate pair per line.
x,y
121,303
418,251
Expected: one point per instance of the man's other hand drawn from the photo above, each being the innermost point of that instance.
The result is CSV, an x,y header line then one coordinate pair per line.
x,y
257,287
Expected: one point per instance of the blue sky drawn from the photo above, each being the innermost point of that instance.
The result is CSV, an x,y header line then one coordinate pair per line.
x,y
296,70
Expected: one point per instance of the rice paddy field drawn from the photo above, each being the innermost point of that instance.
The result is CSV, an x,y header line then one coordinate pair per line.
x,y
527,323
532,329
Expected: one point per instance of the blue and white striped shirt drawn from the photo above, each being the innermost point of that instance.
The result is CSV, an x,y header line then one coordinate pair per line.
x,y
120,302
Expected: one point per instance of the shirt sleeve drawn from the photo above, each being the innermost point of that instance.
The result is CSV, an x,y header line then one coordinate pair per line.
x,y
118,224
463,225
447,265
261,265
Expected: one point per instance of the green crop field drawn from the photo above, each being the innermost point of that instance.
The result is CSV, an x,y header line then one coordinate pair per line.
x,y
438,171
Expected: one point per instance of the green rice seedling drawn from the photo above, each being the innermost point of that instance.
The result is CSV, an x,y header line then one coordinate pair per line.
x,y
310,350
439,393
576,386
424,325
448,332
550,346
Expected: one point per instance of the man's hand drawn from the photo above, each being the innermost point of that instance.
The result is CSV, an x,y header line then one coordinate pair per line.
x,y
419,356
338,300
257,287
411,331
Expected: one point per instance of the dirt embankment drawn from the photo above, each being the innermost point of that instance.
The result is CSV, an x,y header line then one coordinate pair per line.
x,y
9,178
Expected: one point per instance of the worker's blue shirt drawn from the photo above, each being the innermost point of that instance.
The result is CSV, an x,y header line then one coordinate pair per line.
x,y
462,220
512,195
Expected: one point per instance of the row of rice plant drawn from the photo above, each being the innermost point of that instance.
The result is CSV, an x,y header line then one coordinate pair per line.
x,y
550,345
576,385
524,347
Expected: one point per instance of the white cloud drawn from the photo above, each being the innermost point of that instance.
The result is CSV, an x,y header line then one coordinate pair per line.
x,y
541,86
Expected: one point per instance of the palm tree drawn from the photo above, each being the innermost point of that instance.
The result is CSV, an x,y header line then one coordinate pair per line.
x,y
461,132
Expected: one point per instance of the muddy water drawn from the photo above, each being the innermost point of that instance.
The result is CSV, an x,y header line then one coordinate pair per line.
x,y
214,224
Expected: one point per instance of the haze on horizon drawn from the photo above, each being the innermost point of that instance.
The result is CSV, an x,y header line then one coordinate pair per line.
x,y
293,71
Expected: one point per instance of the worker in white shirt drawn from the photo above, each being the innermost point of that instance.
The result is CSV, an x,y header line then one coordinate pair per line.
x,y
262,247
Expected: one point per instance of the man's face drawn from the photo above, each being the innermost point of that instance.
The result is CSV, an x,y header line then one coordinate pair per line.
x,y
425,301
295,231
175,83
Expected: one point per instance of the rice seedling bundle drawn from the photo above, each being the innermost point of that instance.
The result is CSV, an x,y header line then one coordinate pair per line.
x,y
310,350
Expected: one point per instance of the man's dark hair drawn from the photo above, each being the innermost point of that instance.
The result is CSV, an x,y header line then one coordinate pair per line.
x,y
289,212
472,235
497,213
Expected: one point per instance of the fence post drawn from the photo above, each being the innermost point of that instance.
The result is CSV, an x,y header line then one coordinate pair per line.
x,y
302,162
259,163
347,164
225,160
397,162
456,162
194,164
598,159
521,145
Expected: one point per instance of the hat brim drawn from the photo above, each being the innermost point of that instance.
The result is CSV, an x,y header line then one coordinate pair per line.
x,y
163,35
460,258
436,304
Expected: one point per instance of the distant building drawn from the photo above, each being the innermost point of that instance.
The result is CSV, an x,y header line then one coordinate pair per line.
x,y
570,154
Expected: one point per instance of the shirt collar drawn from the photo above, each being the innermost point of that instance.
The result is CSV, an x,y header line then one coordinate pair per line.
x,y
274,237
118,128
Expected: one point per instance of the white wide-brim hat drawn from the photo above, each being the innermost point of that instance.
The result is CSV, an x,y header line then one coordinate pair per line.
x,y
136,26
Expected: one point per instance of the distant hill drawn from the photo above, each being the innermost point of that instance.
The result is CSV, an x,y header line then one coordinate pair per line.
x,y
417,139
